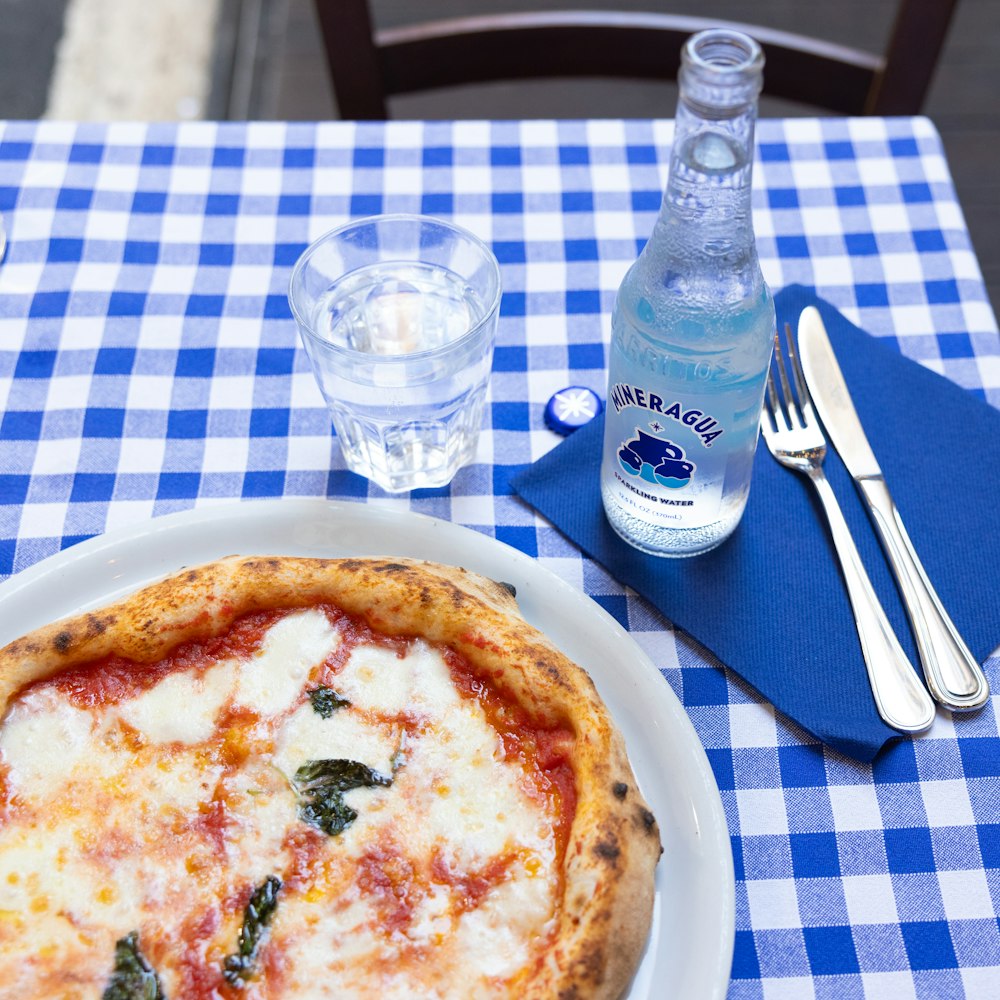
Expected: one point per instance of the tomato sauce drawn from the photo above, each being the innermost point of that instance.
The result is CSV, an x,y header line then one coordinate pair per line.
x,y
386,875
115,678
470,888
199,976
112,679
211,822
305,846
6,794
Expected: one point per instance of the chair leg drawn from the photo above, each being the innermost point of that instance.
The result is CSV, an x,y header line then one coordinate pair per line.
x,y
917,39
352,58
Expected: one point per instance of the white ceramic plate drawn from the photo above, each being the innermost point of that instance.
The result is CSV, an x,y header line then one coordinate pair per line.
x,y
691,945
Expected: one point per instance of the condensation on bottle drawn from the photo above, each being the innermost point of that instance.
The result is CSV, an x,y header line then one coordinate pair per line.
x,y
693,323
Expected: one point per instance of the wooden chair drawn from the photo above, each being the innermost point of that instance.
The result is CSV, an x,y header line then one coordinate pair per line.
x,y
367,66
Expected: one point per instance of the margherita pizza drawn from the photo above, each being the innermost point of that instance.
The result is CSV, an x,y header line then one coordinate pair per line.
x,y
277,778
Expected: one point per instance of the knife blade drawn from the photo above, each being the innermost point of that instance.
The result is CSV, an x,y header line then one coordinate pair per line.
x,y
953,676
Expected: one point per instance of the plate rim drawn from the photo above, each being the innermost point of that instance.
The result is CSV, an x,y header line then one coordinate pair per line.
x,y
699,785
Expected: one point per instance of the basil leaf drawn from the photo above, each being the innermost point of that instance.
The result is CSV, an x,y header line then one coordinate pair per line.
x,y
256,916
133,977
325,701
320,785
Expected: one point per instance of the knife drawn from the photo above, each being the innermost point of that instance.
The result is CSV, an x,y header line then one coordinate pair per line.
x,y
952,674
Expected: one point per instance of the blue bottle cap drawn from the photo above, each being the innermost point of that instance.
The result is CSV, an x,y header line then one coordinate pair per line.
x,y
571,408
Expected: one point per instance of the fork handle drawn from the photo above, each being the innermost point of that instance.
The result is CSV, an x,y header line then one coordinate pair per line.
x,y
900,698
952,674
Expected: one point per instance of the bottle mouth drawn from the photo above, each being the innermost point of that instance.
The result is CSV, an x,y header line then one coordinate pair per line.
x,y
722,50
722,69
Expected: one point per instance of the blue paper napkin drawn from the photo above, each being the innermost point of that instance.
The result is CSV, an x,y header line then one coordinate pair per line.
x,y
770,602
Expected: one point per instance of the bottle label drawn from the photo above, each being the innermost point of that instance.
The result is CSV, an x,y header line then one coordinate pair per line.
x,y
666,454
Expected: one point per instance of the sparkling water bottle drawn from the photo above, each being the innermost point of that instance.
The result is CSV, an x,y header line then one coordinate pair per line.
x,y
693,323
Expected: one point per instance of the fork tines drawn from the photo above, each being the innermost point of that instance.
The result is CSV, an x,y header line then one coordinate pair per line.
x,y
792,408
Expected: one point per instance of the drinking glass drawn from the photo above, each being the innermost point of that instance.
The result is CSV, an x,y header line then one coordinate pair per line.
x,y
398,315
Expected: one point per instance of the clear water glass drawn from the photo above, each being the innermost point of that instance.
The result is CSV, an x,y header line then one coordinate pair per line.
x,y
398,316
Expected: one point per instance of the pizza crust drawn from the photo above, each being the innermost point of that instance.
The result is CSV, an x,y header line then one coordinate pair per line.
x,y
613,845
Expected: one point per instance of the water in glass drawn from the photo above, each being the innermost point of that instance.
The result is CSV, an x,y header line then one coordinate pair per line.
x,y
417,419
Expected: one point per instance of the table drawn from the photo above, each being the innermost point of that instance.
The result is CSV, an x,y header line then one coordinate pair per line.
x,y
149,364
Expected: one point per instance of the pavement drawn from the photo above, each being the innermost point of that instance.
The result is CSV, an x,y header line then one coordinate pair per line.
x,y
119,60
107,60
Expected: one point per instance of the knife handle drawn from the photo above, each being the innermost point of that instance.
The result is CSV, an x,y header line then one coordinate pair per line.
x,y
953,676
901,699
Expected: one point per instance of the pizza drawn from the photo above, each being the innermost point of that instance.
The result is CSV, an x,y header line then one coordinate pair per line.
x,y
285,777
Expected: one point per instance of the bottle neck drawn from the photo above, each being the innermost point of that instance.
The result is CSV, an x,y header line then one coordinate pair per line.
x,y
711,170
711,162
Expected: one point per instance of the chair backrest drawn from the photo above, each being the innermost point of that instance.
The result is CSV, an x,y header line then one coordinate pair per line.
x,y
368,66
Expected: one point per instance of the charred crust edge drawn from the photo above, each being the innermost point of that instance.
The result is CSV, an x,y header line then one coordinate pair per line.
x,y
390,567
648,820
608,850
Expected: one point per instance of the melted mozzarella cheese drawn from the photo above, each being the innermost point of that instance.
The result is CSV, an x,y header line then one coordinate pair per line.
x,y
272,680
438,889
183,706
375,679
43,739
308,736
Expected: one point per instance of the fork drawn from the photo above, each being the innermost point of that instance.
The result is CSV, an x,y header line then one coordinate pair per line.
x,y
795,438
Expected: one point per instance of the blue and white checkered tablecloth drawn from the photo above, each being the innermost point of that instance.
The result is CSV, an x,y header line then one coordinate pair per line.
x,y
149,363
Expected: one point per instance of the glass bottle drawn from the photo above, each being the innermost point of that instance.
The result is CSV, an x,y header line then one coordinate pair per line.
x,y
693,323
